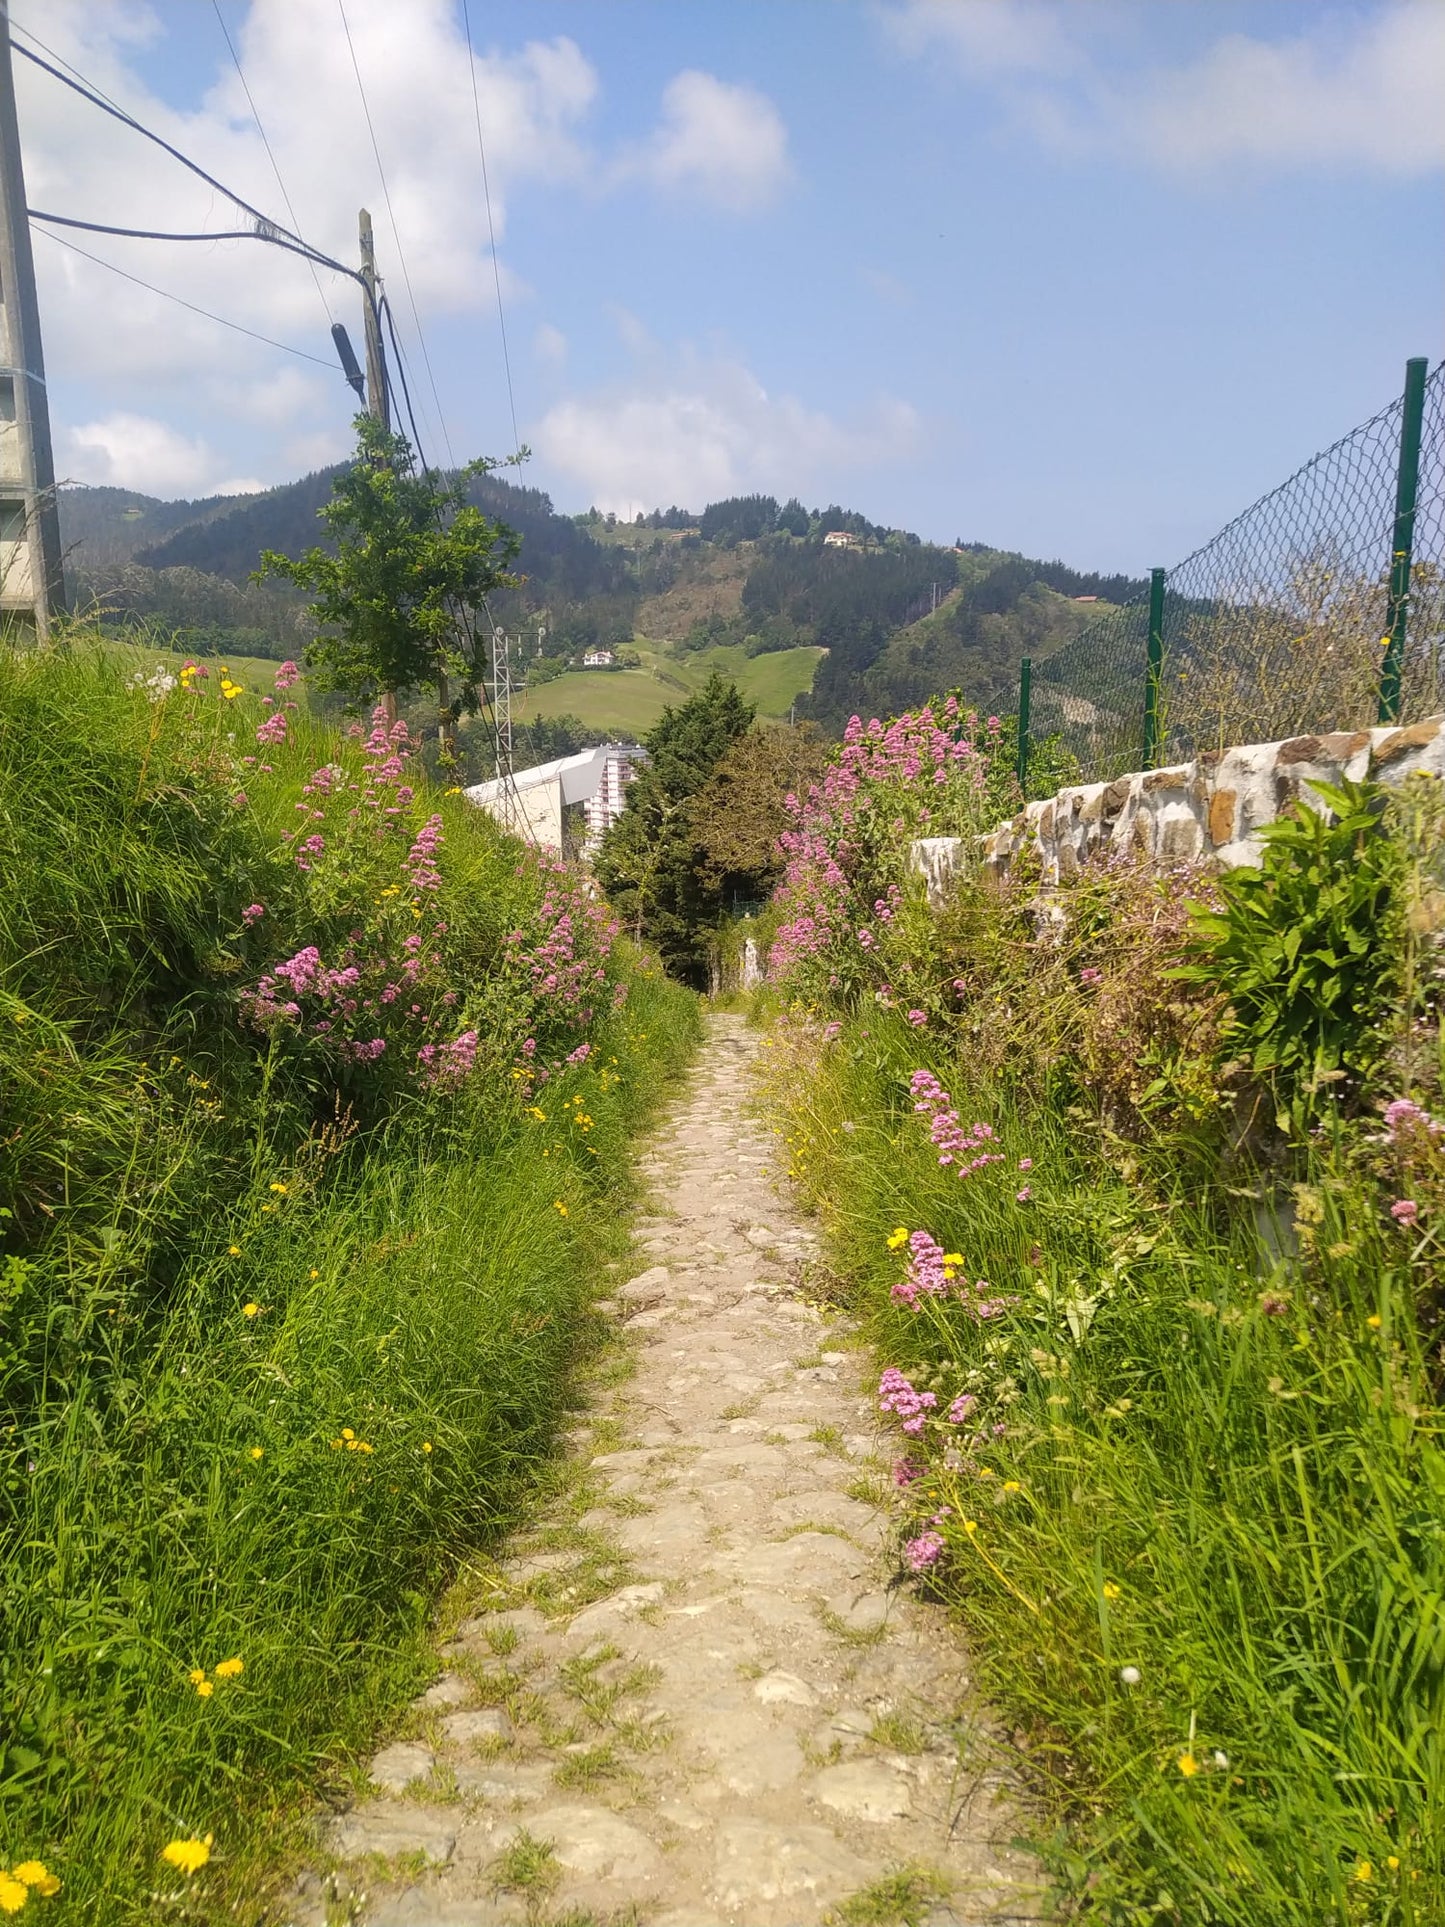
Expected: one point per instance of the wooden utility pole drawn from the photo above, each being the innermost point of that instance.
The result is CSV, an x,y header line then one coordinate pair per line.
x,y
32,581
377,402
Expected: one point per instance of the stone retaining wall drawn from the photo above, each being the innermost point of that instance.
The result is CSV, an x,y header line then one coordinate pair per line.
x,y
1213,807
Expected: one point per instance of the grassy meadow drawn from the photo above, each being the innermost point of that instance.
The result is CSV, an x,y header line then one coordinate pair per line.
x,y
319,1100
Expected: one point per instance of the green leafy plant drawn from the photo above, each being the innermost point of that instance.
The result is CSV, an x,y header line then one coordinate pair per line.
x,y
1305,946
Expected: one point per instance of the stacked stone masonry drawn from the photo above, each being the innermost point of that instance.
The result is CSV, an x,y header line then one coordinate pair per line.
x,y
1213,807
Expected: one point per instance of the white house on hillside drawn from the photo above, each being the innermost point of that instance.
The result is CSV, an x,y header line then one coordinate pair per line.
x,y
597,659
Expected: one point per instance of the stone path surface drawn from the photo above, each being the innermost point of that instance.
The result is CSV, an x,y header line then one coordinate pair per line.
x,y
698,1694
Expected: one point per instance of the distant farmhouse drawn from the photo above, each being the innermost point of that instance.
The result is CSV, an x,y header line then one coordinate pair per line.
x,y
598,659
842,539
567,805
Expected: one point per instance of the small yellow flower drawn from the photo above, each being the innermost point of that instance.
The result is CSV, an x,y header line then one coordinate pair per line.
x,y
189,1855
35,1873
953,1257
313,1274
197,1674
1373,1321
1188,1765
558,1205
204,1689
1392,1861
281,1190
969,1525
234,1250
230,1668
1011,1485
13,1894
1111,1591
347,1433
426,1445
251,1309
258,1452
898,1238
1363,1870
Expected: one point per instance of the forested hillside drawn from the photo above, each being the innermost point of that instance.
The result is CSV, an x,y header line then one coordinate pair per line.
x,y
898,618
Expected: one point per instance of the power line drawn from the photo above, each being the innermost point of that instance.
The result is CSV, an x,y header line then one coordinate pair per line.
x,y
275,165
181,302
396,231
388,317
106,106
274,237
491,227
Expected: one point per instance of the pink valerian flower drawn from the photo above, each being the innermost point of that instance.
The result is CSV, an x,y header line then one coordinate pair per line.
x,y
927,1275
830,1031
918,1018
1090,976
421,857
273,730
961,1408
923,1551
286,675
905,1471
253,913
897,1395
964,1149
580,1055
1404,1211
1024,1195
450,1064
1026,1164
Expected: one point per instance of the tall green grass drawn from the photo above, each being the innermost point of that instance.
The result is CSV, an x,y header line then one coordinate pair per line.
x,y
272,1361
1219,1469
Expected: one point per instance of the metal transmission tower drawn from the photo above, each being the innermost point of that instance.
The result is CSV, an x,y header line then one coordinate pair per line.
x,y
502,699
32,583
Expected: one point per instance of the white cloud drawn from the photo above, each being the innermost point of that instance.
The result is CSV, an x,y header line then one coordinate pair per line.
x,y
699,429
1351,93
139,452
723,142
550,345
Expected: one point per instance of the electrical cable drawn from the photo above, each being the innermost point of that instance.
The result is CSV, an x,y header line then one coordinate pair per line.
x,y
387,316
180,301
274,237
396,231
265,142
491,226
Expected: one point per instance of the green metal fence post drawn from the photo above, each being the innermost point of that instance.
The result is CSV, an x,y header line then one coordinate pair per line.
x,y
1154,666
1025,676
1407,484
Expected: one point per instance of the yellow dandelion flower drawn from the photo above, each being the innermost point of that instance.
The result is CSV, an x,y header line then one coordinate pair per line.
x,y
1373,1321
1363,1870
898,1238
189,1855
1392,1861
969,1525
953,1257
204,1689
313,1274
426,1445
258,1451
347,1433
281,1190
1012,1485
35,1873
557,1205
251,1309
1111,1591
13,1894
196,1675
234,1250
1187,1765
230,1668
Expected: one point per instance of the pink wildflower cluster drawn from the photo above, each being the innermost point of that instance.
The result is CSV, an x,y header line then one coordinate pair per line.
x,y
956,1146
926,773
448,1064
927,1275
564,955
923,1551
1406,1122
897,1395
421,857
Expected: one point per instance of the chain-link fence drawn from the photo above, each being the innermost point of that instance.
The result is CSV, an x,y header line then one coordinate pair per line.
x,y
1282,625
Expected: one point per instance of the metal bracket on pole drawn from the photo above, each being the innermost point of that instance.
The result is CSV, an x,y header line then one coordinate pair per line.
x,y
1154,666
1407,485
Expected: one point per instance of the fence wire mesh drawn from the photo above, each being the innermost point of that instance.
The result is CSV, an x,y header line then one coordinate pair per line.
x,y
1274,628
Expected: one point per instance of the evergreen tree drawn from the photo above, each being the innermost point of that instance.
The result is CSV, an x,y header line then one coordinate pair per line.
x,y
648,863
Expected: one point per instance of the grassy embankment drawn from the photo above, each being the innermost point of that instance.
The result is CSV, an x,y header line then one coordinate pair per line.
x,y
631,700
1168,1416
286,1324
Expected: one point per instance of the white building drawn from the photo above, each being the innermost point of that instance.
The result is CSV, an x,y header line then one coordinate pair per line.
x,y
597,659
534,803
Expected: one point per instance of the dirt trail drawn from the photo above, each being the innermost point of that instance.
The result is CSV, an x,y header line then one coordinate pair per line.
x,y
699,1698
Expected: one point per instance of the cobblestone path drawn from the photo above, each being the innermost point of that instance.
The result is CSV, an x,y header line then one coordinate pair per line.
x,y
697,1695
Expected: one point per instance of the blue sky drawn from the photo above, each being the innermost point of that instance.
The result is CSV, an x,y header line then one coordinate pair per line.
x,y
1082,279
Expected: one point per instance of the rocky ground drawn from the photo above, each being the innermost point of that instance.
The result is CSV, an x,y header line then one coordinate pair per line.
x,y
696,1693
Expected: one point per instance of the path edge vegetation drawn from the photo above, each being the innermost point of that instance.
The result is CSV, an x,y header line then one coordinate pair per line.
x,y
321,1099
1138,1201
